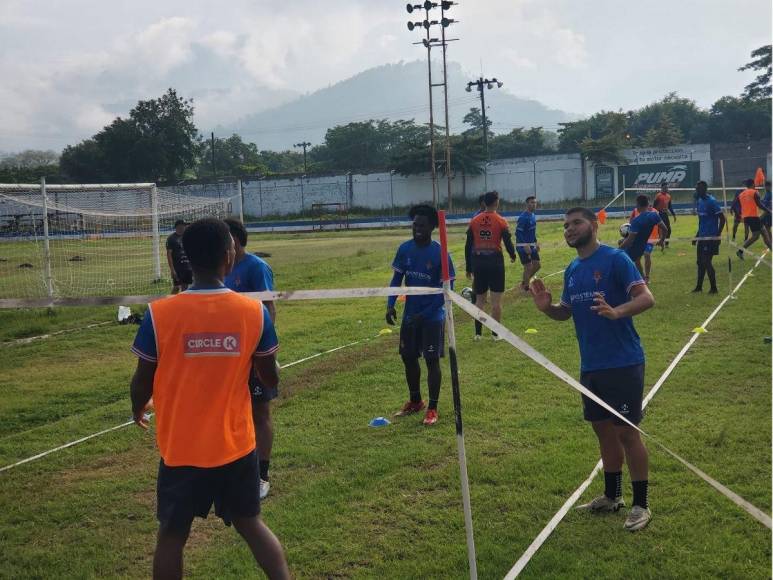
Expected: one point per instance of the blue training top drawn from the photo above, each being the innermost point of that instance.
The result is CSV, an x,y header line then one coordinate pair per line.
x,y
604,343
420,266
526,228
250,274
709,211
641,226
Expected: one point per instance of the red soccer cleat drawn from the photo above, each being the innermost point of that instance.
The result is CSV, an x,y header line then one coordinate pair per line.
x,y
431,417
410,408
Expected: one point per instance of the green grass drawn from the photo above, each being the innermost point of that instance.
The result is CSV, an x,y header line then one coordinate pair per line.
x,y
351,501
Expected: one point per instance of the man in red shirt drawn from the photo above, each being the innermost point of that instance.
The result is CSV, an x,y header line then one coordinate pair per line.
x,y
662,205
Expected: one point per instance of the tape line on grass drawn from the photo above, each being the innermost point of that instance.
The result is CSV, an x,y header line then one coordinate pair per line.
x,y
49,335
556,519
122,425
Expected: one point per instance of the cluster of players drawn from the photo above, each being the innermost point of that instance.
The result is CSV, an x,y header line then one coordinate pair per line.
x,y
207,355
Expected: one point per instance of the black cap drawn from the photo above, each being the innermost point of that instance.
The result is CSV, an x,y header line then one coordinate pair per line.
x,y
180,223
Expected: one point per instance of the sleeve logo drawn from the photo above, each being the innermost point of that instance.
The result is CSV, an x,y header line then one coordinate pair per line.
x,y
212,344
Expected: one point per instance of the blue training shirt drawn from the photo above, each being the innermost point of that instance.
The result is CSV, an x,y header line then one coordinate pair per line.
x,y
766,200
709,211
604,343
641,227
145,342
250,274
526,228
420,266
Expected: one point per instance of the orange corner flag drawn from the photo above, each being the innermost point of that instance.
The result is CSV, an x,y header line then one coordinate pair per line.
x,y
602,216
759,178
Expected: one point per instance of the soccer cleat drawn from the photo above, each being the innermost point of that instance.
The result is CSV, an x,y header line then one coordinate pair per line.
x,y
265,486
698,289
477,337
739,253
431,417
603,504
637,519
410,408
713,291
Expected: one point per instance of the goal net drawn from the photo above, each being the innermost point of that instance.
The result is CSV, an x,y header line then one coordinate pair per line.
x,y
73,241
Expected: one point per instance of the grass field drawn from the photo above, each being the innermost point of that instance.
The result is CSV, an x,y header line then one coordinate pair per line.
x,y
352,501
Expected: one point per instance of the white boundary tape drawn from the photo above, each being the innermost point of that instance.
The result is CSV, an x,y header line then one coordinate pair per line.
x,y
57,333
122,425
556,519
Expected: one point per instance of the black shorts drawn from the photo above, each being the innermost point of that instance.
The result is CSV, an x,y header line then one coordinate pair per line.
x,y
527,258
261,393
183,276
488,273
187,492
422,338
707,248
621,388
754,223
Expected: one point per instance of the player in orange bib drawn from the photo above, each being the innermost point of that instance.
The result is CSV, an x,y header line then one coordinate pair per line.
x,y
662,205
483,256
195,353
750,202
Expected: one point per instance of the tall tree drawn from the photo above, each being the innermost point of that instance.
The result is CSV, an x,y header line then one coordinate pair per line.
x,y
664,134
761,61
521,142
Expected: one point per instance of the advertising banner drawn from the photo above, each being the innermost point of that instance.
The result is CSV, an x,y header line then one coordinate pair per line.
x,y
678,174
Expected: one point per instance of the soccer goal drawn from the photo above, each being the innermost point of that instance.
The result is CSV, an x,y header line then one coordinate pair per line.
x,y
71,241
330,216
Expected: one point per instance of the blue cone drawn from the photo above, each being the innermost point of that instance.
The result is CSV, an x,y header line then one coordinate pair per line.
x,y
379,422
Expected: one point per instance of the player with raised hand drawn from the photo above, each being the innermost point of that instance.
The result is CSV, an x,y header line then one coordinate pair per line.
x,y
195,353
422,331
603,290
636,242
711,222
253,274
526,233
484,262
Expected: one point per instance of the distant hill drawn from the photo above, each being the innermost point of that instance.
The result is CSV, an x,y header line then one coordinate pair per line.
x,y
393,91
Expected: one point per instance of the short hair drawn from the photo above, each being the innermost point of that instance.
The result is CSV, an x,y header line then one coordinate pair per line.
x,y
702,183
749,182
481,198
642,200
180,223
427,211
586,213
490,198
530,198
238,231
664,182
767,184
206,242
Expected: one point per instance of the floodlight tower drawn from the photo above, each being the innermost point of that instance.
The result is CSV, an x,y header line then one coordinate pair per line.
x,y
303,144
429,43
479,84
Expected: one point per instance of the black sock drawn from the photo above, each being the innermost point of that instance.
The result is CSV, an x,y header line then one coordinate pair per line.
x,y
712,276
640,493
415,396
432,404
701,275
613,484
263,463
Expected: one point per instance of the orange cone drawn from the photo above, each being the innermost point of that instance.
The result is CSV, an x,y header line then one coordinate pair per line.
x,y
759,178
602,216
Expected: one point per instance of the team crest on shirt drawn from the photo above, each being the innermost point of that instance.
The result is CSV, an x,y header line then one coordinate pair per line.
x,y
212,344
597,276
570,284
429,265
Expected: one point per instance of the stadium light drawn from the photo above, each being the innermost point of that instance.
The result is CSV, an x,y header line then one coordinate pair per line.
x,y
479,84
303,144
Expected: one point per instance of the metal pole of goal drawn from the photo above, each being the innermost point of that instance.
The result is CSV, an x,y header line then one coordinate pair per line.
x,y
727,232
46,241
156,233
465,483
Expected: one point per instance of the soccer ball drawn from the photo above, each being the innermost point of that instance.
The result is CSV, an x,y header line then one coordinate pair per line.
x,y
467,293
624,229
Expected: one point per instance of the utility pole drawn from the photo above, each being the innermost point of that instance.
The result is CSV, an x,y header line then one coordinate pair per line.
x,y
479,85
214,171
304,144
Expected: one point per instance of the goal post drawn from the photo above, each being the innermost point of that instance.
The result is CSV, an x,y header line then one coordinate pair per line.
x,y
92,240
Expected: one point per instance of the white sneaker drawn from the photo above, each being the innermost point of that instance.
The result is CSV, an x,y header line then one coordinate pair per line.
x,y
637,519
264,487
603,504
477,337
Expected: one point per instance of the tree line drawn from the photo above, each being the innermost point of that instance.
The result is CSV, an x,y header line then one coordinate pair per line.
x,y
159,142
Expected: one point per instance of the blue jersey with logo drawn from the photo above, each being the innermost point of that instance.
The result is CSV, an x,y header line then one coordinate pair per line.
x,y
709,211
526,228
250,274
604,343
641,227
420,265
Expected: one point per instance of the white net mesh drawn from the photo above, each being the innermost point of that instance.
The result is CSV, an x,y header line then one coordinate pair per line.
x,y
97,240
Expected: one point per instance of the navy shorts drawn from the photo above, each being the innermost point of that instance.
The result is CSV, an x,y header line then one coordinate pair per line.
x,y
526,258
621,388
766,220
488,273
183,276
259,392
184,493
422,338
707,248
